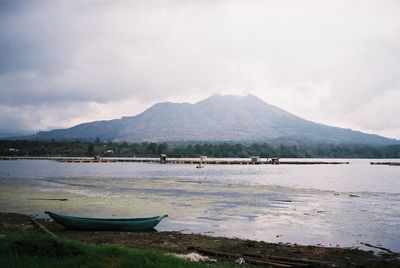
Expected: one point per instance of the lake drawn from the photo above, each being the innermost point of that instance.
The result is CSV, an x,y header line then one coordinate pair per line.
x,y
345,205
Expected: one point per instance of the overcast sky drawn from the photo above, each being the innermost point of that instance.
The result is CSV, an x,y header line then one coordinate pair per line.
x,y
68,62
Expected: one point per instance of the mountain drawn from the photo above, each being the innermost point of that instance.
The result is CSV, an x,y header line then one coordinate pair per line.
x,y
217,118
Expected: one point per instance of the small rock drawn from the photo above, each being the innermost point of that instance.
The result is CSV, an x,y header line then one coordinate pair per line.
x,y
196,257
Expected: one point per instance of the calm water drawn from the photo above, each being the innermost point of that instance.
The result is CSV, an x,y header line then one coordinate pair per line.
x,y
282,203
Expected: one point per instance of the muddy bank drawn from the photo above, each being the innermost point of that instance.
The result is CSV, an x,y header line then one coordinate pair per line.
x,y
226,249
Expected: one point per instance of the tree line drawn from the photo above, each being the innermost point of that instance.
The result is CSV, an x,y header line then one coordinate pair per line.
x,y
225,149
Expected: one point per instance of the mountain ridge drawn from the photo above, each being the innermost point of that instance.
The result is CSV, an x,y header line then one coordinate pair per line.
x,y
216,118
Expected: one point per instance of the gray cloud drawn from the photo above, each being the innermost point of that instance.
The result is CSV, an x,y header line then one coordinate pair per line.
x,y
333,62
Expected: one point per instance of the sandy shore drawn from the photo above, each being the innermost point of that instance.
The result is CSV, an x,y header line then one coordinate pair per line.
x,y
226,249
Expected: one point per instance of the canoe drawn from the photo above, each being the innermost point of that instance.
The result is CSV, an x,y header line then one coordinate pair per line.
x,y
132,224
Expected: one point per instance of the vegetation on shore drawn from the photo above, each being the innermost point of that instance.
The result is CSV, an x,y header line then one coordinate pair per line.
x,y
151,149
37,250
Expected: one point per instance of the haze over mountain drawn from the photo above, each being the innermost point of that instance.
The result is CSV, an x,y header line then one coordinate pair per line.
x,y
217,118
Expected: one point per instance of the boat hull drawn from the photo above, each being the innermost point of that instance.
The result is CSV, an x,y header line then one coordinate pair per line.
x,y
133,224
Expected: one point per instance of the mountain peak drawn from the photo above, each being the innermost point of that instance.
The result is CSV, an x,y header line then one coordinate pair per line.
x,y
251,96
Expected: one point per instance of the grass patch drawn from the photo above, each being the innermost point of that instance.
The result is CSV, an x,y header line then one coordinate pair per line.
x,y
39,250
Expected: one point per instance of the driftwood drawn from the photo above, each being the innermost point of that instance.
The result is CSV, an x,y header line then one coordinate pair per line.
x,y
273,261
42,228
381,248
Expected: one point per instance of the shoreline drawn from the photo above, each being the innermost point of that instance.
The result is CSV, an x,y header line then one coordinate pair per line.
x,y
221,248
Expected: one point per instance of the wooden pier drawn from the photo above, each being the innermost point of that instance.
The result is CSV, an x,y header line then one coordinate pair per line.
x,y
194,161
386,163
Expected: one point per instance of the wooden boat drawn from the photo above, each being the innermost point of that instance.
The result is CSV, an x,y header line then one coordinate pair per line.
x,y
132,224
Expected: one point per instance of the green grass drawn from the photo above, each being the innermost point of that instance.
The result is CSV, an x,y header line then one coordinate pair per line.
x,y
43,251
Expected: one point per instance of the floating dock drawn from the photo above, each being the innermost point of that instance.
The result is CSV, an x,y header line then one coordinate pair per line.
x,y
194,161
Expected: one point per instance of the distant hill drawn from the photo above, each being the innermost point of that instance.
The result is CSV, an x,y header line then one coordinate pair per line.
x,y
217,118
6,134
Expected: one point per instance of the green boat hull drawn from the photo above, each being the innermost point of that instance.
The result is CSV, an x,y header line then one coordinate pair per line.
x,y
130,225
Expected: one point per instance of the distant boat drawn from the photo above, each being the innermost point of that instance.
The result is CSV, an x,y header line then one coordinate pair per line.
x,y
132,224
199,165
